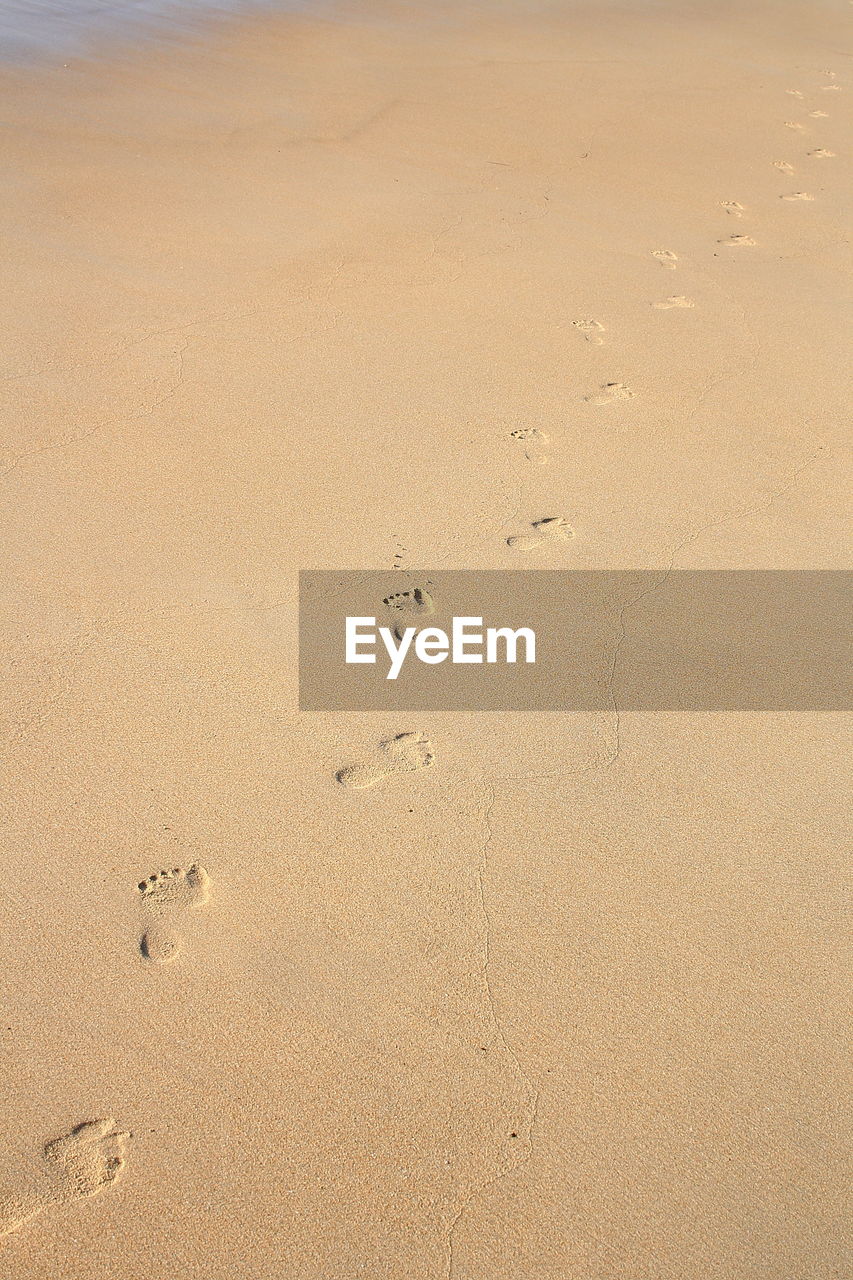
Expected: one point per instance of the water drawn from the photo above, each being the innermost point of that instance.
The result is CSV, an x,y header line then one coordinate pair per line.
x,y
34,29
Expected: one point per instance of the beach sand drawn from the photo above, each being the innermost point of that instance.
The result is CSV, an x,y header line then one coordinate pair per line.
x,y
569,1003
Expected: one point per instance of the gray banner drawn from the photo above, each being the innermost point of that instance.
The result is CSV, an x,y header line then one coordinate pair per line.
x,y
645,640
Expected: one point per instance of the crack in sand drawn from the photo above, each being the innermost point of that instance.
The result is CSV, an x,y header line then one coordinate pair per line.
x,y
120,350
533,1094
101,426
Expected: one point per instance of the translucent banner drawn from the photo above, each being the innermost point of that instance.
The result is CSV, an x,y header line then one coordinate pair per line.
x,y
576,640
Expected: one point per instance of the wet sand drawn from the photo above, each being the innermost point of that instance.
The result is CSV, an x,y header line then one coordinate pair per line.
x,y
562,997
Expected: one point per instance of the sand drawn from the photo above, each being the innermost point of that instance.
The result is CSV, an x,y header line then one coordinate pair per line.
x,y
387,287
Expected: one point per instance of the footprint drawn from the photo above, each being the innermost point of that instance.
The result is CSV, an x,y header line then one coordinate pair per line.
x,y
735,242
415,601
403,754
609,392
795,93
797,195
534,442
549,529
821,154
665,257
733,207
164,895
674,300
591,330
819,115
88,1159
81,1163
830,88
783,166
794,124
